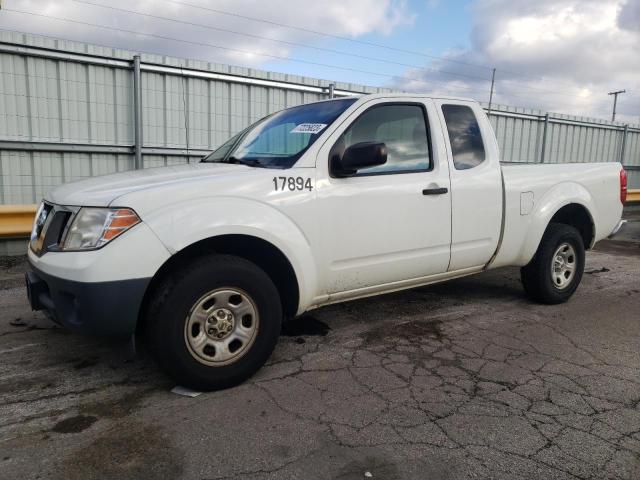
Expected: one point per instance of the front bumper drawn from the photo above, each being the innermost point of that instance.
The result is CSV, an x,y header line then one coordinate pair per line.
x,y
95,308
100,291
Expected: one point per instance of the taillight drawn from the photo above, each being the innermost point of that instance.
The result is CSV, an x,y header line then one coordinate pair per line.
x,y
623,186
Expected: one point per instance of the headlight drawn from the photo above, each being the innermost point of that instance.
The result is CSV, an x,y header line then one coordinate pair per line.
x,y
94,227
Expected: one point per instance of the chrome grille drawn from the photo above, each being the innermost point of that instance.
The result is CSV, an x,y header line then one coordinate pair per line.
x,y
49,227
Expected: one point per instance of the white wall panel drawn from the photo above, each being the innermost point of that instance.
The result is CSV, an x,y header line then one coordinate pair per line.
x,y
66,101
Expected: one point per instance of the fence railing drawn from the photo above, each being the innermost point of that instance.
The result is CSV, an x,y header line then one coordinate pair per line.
x,y
561,138
73,110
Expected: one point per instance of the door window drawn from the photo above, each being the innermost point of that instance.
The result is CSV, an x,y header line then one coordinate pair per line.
x,y
402,127
465,138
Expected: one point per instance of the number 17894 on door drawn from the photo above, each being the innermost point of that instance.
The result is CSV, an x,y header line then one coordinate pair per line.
x,y
292,183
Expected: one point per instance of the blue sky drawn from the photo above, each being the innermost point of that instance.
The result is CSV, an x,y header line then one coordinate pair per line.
x,y
557,55
435,29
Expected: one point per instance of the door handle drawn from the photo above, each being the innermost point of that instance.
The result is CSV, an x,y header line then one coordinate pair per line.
x,y
435,191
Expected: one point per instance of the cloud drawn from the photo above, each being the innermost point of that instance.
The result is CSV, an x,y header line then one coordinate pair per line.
x,y
350,18
557,55
629,16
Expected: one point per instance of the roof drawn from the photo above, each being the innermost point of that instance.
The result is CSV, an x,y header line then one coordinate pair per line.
x,y
415,95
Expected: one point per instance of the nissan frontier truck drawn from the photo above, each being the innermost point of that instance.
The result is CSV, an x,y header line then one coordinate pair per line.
x,y
312,205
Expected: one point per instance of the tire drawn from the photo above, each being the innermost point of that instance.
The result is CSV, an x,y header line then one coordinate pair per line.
x,y
198,312
548,281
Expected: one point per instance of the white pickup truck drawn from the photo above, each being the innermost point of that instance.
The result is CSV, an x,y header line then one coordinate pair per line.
x,y
312,205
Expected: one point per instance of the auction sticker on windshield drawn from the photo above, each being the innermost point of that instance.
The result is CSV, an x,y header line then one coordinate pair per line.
x,y
312,128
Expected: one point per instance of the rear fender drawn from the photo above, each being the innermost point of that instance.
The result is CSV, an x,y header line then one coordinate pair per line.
x,y
552,201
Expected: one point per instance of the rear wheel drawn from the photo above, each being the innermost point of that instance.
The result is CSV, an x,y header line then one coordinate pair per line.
x,y
215,322
555,271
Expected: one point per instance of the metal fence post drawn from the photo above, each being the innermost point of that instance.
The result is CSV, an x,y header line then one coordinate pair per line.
x,y
137,112
624,143
544,137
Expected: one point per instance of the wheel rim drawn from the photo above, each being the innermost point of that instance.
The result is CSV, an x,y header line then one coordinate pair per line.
x,y
563,266
221,326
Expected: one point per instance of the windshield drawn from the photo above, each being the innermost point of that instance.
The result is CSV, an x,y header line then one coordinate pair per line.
x,y
279,140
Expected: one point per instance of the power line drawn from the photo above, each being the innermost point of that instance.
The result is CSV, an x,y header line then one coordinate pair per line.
x,y
539,90
353,40
204,44
430,84
324,34
288,59
297,60
363,42
286,42
417,67
348,39
531,90
527,99
530,77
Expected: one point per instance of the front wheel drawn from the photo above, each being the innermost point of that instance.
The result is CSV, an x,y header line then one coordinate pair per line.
x,y
215,322
555,271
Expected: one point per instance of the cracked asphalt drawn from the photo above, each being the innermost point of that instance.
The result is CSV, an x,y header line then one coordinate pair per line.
x,y
466,379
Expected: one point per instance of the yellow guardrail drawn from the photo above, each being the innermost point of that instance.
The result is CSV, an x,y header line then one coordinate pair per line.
x,y
16,220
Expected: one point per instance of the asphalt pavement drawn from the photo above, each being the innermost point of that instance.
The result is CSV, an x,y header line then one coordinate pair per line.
x,y
466,379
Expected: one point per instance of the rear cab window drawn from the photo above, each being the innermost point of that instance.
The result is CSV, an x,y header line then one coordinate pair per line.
x,y
467,147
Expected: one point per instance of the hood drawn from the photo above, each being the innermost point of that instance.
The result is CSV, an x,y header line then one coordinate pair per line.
x,y
102,191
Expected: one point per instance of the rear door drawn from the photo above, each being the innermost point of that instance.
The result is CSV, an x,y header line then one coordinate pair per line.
x,y
476,183
384,224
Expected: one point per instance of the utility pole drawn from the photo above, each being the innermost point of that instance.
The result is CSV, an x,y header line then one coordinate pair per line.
x,y
615,102
493,80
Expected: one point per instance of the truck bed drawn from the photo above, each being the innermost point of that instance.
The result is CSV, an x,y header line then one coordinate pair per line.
x,y
528,187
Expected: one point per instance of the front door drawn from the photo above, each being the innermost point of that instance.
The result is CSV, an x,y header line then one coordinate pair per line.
x,y
389,223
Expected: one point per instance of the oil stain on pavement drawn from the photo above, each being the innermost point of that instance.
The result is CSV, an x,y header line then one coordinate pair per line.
x,y
75,424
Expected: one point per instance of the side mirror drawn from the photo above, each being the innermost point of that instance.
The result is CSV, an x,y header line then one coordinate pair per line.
x,y
360,155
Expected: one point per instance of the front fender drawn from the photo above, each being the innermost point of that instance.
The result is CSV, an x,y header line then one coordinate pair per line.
x,y
186,223
552,201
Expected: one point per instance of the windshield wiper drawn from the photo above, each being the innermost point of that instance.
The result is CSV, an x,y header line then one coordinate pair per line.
x,y
250,162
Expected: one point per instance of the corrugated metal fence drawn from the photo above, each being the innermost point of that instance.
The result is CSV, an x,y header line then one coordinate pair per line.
x,y
68,110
